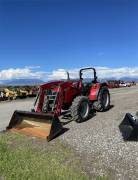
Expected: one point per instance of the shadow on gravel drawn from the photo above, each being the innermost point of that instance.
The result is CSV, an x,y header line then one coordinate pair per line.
x,y
110,107
67,116
128,131
91,115
68,119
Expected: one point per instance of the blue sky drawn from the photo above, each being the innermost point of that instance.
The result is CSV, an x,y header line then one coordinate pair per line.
x,y
68,34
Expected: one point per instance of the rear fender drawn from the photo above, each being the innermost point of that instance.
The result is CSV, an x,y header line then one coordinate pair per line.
x,y
95,89
94,92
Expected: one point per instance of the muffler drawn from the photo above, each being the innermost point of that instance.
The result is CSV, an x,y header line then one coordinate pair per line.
x,y
40,125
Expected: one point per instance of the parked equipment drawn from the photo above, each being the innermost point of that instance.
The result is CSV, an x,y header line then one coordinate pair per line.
x,y
129,127
9,94
79,96
113,84
21,93
32,91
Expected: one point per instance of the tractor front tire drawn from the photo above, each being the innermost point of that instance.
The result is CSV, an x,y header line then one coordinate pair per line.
x,y
103,101
80,109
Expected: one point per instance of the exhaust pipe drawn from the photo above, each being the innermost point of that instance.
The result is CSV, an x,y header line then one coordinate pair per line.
x,y
40,125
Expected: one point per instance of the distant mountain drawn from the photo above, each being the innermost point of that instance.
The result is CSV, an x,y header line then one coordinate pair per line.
x,y
22,82
32,82
129,79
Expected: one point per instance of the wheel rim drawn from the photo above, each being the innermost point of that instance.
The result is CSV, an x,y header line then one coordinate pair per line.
x,y
105,99
84,109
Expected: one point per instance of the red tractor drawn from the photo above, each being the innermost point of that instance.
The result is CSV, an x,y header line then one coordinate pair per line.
x,y
78,96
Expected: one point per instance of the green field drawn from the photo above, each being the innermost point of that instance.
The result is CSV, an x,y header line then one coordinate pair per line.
x,y
25,158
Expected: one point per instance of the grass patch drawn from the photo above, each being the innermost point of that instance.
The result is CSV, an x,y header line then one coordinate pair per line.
x,y
22,158
26,158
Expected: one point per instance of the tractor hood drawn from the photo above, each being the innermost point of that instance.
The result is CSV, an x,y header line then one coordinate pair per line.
x,y
59,82
52,82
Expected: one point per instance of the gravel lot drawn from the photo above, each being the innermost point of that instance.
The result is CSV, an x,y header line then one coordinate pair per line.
x,y
7,109
98,140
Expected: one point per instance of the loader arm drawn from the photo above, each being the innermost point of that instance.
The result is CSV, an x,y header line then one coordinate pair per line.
x,y
58,102
42,122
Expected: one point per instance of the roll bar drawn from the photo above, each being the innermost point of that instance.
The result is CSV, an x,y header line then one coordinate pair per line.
x,y
85,69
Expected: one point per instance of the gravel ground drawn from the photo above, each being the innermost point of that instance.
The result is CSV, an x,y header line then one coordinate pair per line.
x,y
98,140
8,107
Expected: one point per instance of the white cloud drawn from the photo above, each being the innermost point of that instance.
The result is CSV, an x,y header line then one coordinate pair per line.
x,y
102,72
34,72
105,72
58,74
27,72
62,74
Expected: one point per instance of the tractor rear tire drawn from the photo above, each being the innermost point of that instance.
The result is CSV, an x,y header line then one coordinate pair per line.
x,y
80,109
103,101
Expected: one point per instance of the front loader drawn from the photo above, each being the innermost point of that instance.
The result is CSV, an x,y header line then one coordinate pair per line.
x,y
78,96
41,125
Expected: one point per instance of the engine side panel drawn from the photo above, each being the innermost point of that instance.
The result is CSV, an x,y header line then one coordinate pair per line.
x,y
71,91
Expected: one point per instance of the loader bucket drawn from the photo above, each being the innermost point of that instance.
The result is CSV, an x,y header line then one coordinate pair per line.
x,y
40,125
129,128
